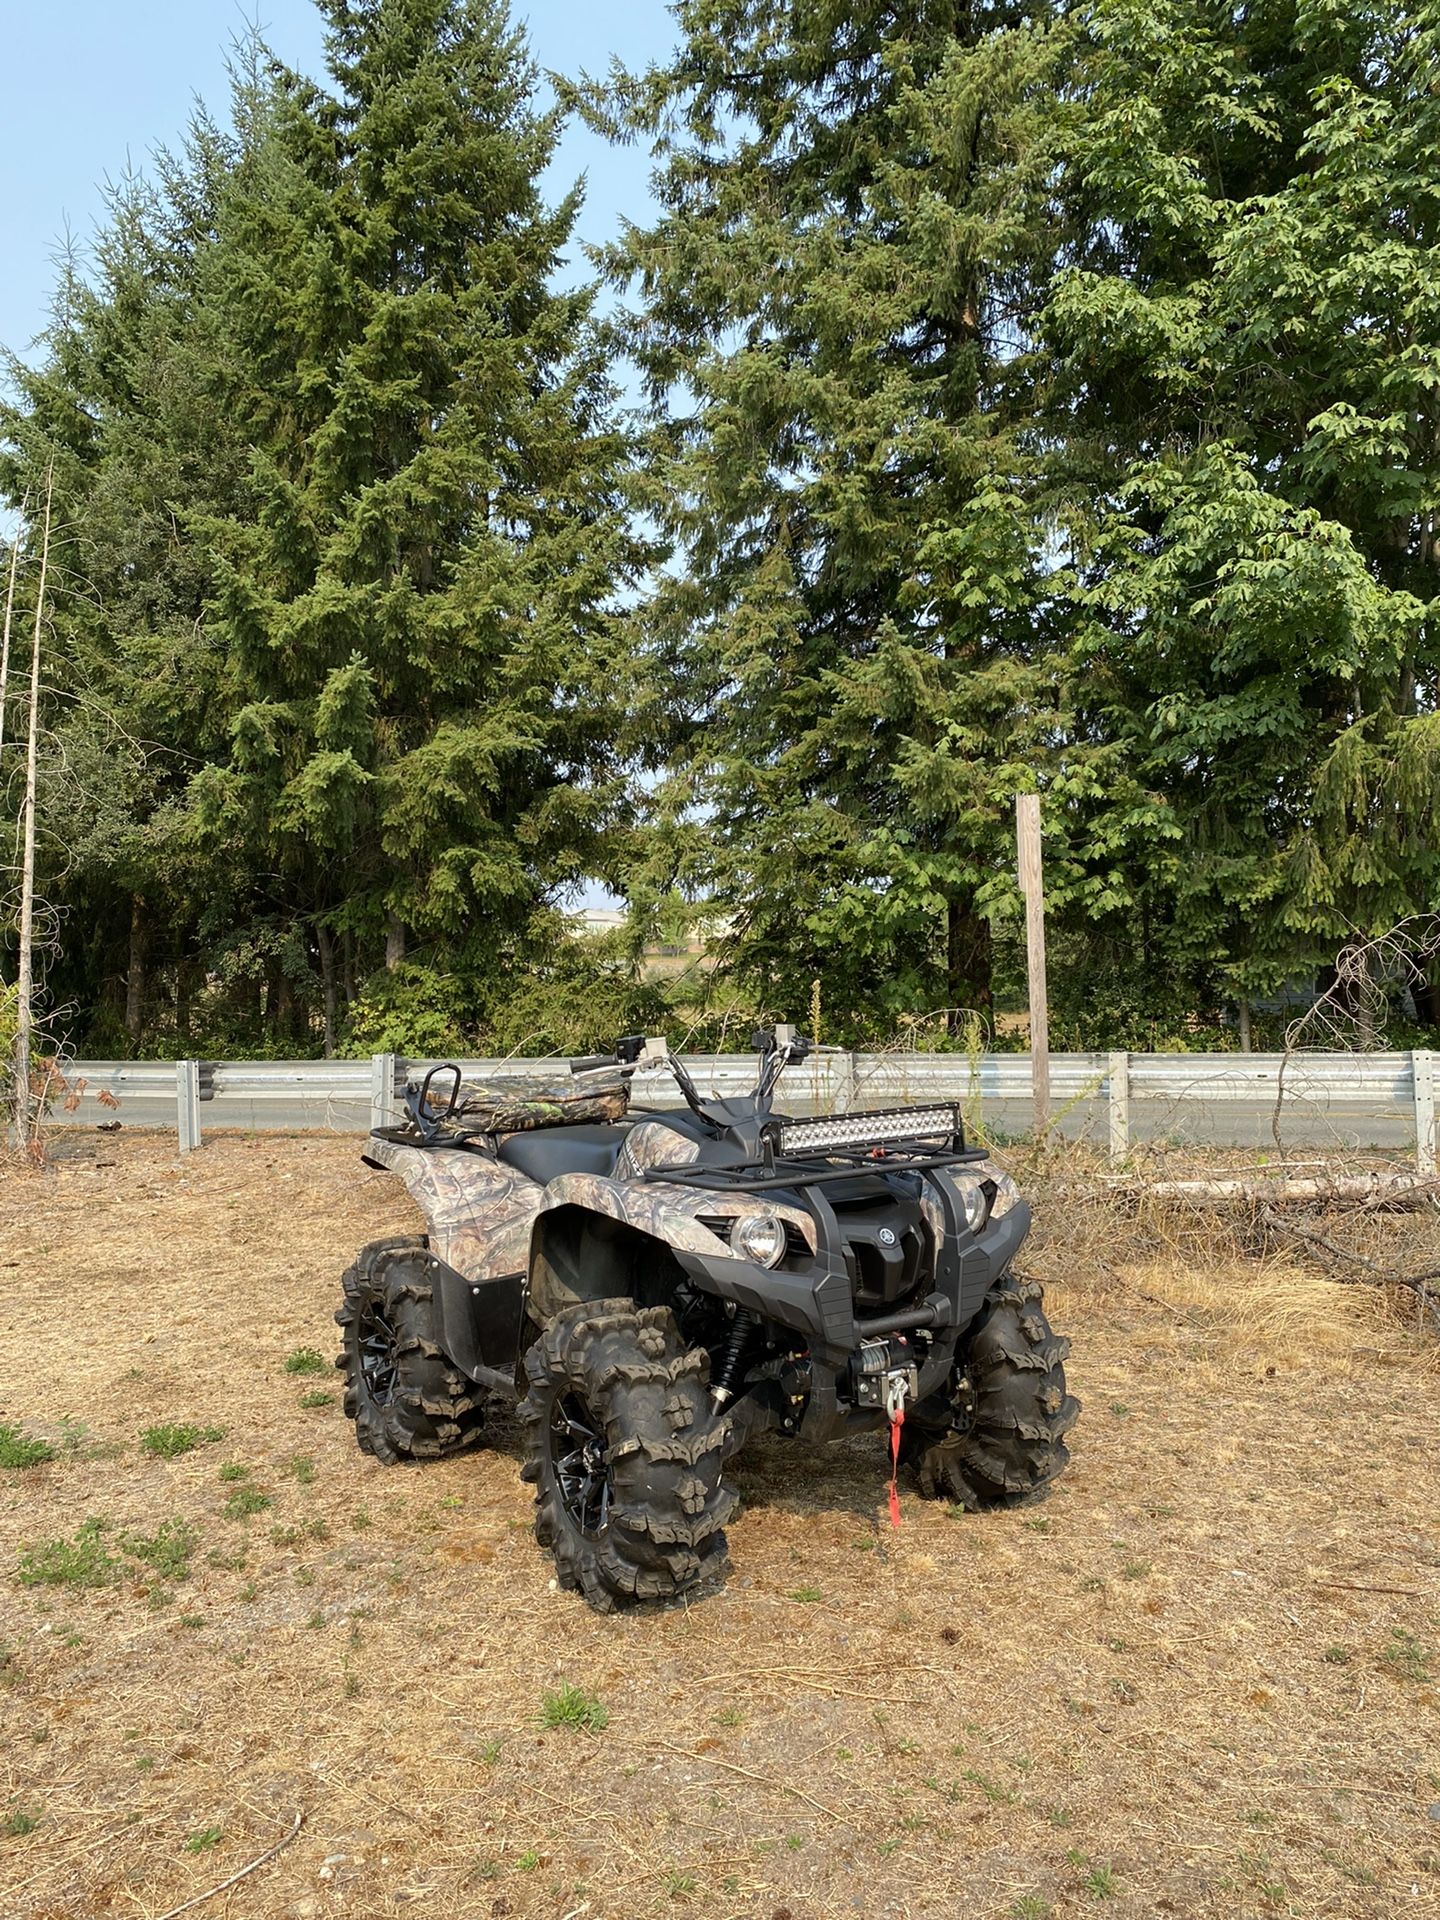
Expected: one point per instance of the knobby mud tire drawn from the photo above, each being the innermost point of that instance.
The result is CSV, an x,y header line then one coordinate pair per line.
x,y
432,1408
1009,1445
646,1392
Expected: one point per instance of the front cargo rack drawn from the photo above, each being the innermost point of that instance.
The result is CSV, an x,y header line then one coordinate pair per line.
x,y
804,1153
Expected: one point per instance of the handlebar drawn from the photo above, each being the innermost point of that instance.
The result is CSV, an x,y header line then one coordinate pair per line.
x,y
777,1049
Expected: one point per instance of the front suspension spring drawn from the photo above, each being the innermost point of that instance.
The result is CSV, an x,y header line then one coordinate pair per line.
x,y
736,1342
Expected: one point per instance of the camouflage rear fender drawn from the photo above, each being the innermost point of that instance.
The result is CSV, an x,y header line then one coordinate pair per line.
x,y
480,1214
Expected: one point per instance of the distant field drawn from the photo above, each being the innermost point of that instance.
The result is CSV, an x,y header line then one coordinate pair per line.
x,y
1204,1679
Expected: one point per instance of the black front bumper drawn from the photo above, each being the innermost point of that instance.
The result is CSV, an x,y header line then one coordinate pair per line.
x,y
817,1301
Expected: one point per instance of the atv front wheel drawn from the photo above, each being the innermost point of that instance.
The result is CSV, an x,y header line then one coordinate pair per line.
x,y
1004,1441
624,1453
407,1400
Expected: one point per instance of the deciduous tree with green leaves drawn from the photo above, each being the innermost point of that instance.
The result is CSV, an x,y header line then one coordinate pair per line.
x,y
1248,350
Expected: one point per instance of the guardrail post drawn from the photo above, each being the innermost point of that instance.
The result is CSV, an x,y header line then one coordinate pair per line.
x,y
382,1089
1119,1105
187,1103
1422,1062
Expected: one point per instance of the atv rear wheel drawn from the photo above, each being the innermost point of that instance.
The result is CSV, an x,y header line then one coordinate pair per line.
x,y
1004,1442
407,1400
624,1453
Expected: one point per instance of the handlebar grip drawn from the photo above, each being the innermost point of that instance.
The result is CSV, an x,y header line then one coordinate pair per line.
x,y
588,1062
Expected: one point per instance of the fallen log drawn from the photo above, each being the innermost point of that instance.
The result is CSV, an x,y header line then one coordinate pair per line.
x,y
1376,1190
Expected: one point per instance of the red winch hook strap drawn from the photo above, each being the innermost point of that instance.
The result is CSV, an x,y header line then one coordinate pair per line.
x,y
897,1421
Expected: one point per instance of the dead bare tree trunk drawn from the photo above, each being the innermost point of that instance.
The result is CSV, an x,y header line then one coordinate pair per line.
x,y
185,972
5,642
25,1010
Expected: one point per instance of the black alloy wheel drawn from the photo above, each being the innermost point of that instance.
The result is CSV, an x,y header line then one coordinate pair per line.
x,y
582,1465
378,1349
408,1400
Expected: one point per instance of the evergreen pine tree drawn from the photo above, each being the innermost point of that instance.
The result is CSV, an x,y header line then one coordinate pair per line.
x,y
416,594
867,632
116,403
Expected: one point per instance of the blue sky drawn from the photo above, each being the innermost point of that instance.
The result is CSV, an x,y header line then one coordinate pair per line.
x,y
89,86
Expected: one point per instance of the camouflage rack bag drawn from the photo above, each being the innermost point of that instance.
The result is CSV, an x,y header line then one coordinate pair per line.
x,y
520,1105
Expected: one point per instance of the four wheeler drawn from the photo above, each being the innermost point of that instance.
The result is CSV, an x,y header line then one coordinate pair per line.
x,y
656,1287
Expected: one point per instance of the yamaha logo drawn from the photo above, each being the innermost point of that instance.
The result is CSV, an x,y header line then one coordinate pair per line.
x,y
886,1237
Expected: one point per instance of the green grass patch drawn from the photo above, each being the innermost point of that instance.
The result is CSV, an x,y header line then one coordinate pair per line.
x,y
245,1501
1407,1656
167,1551
573,1707
181,1436
998,1795
302,1469
19,1449
316,1398
306,1360
294,1536
203,1840
17,1823
78,1563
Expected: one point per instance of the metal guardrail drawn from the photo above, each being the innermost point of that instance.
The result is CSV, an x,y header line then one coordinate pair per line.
x,y
1335,1101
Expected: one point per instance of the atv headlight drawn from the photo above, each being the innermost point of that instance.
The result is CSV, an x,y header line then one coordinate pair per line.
x,y
759,1237
1004,1192
974,1200
986,1193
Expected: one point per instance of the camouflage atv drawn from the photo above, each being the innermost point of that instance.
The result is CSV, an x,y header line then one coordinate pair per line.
x,y
657,1287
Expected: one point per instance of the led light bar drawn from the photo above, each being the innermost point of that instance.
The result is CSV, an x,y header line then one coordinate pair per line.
x,y
882,1128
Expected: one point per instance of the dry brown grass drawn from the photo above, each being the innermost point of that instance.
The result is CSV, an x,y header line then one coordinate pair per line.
x,y
1184,1686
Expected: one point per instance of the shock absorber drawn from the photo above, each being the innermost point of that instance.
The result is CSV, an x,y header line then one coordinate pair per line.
x,y
731,1355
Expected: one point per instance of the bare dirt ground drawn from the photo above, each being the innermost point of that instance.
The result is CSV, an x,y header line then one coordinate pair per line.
x,y
1202,1680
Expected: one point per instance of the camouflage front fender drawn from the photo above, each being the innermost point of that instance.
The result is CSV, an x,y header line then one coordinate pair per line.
x,y
584,1257
668,1211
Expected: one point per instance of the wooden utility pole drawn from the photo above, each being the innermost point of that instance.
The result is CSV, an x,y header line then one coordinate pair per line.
x,y
1032,886
25,984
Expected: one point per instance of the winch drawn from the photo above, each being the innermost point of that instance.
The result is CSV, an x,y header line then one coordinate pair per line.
x,y
884,1373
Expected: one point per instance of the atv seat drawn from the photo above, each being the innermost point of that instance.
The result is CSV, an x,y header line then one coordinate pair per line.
x,y
520,1104
545,1153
